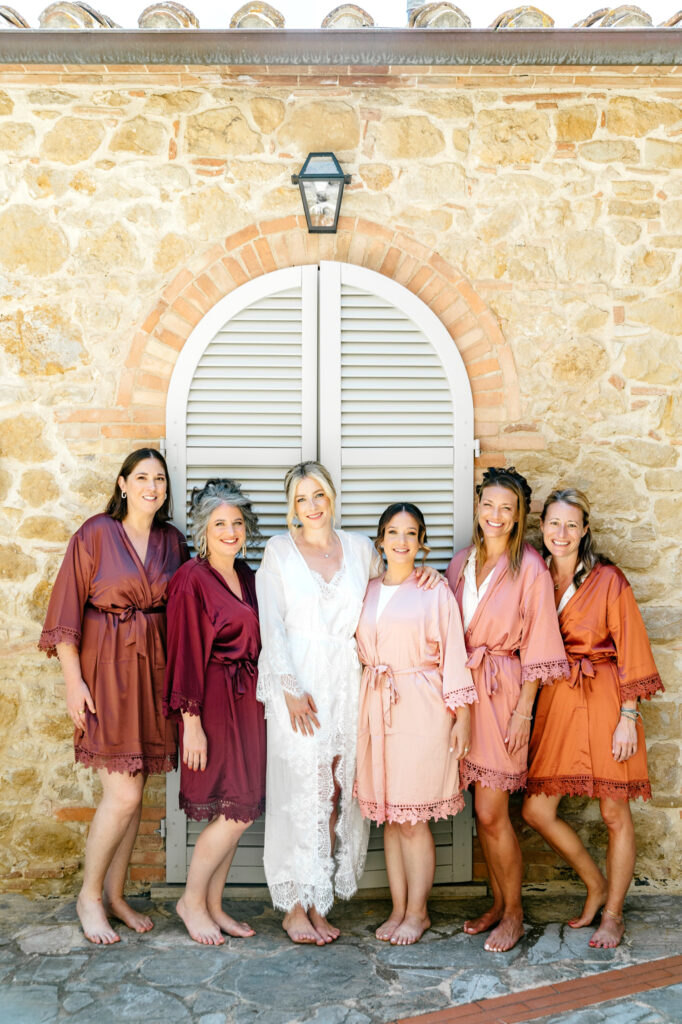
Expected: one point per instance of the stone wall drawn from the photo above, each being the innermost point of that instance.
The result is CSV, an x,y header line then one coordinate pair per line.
x,y
538,213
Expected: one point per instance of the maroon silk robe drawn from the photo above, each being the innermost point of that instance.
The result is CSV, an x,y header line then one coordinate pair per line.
x,y
112,608
213,648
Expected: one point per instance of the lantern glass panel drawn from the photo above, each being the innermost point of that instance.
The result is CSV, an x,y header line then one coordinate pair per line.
x,y
321,200
321,163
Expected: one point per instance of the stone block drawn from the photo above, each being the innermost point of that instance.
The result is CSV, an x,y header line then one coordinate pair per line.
x,y
321,126
180,101
409,138
29,241
579,362
664,479
646,453
648,267
576,124
44,528
624,208
172,251
668,512
659,153
377,177
43,340
267,113
672,216
6,104
212,212
610,151
37,487
21,438
6,481
220,132
634,190
671,420
587,256
664,768
664,312
112,249
72,140
511,137
16,138
634,117
139,136
653,364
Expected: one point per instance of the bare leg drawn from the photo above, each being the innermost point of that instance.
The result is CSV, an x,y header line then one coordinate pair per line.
x,y
503,855
494,913
329,932
114,883
419,861
300,928
620,866
119,808
213,846
216,886
397,881
540,812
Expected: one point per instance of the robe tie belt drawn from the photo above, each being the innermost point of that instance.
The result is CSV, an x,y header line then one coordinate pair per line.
x,y
485,656
380,681
137,632
582,670
238,674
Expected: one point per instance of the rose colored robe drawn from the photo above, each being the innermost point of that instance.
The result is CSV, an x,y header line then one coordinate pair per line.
x,y
213,647
414,677
611,661
110,606
513,637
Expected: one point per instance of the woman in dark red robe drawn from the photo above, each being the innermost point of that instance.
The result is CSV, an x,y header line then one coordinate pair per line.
x,y
106,621
213,648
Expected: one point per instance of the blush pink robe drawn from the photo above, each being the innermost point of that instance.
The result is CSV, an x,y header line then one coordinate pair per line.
x,y
513,637
414,677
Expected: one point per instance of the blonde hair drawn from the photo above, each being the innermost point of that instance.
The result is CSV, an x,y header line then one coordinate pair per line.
x,y
317,472
500,476
586,552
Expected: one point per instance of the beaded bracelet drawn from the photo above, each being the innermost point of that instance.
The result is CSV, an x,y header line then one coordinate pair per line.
x,y
526,718
630,713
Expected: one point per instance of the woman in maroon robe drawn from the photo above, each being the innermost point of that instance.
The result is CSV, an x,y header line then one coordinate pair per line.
x,y
213,648
106,622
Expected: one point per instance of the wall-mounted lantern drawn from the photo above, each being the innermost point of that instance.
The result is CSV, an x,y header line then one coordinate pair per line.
x,y
321,182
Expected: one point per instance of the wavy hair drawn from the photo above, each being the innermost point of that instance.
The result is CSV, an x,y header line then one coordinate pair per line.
x,y
394,510
501,476
586,551
117,506
317,472
206,499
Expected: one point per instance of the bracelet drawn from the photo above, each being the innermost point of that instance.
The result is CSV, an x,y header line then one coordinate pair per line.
x,y
526,718
631,713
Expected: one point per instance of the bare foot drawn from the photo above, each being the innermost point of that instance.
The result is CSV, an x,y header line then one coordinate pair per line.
x,y
594,902
93,919
385,930
299,927
609,933
410,929
322,926
122,911
506,935
484,922
199,923
240,929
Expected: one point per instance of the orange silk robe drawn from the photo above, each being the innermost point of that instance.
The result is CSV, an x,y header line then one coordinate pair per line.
x,y
513,637
611,661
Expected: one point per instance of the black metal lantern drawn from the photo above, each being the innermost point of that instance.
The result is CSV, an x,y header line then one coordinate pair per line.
x,y
321,182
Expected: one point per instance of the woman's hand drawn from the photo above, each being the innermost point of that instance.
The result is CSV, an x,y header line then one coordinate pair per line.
x,y
194,745
518,732
428,577
460,736
78,697
624,742
302,713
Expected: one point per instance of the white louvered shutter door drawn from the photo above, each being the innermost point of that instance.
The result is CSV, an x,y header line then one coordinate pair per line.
x,y
391,430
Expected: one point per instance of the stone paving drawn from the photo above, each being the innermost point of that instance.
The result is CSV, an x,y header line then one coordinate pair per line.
x,y
49,973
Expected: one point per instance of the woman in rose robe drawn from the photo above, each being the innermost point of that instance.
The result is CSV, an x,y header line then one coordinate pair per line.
x,y
505,594
588,738
414,722
106,621
213,647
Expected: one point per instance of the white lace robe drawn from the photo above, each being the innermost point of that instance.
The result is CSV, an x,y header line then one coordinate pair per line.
x,y
307,630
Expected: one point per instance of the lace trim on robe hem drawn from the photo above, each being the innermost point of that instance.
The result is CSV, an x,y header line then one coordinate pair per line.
x,y
459,698
267,685
230,809
413,813
586,785
490,777
546,671
645,688
134,764
181,704
49,638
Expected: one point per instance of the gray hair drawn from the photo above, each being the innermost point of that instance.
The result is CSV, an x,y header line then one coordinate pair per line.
x,y
211,496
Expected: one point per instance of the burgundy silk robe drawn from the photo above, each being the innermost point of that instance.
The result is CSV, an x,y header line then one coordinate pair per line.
x,y
513,637
113,609
213,648
611,661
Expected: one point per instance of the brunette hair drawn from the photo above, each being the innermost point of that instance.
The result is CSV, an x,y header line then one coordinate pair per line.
x,y
501,476
393,510
207,499
586,552
317,472
117,506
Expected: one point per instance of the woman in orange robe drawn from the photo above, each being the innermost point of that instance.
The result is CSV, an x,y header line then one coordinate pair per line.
x,y
588,738
514,645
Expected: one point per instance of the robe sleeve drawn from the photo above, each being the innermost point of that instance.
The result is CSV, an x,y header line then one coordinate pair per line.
x,y
275,669
64,619
458,685
637,672
190,638
542,649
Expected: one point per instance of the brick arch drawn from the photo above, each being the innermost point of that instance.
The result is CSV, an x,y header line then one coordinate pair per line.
x,y
272,245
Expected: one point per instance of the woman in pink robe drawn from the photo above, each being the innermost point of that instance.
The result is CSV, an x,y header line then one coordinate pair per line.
x,y
505,594
413,718
213,647
588,738
107,623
